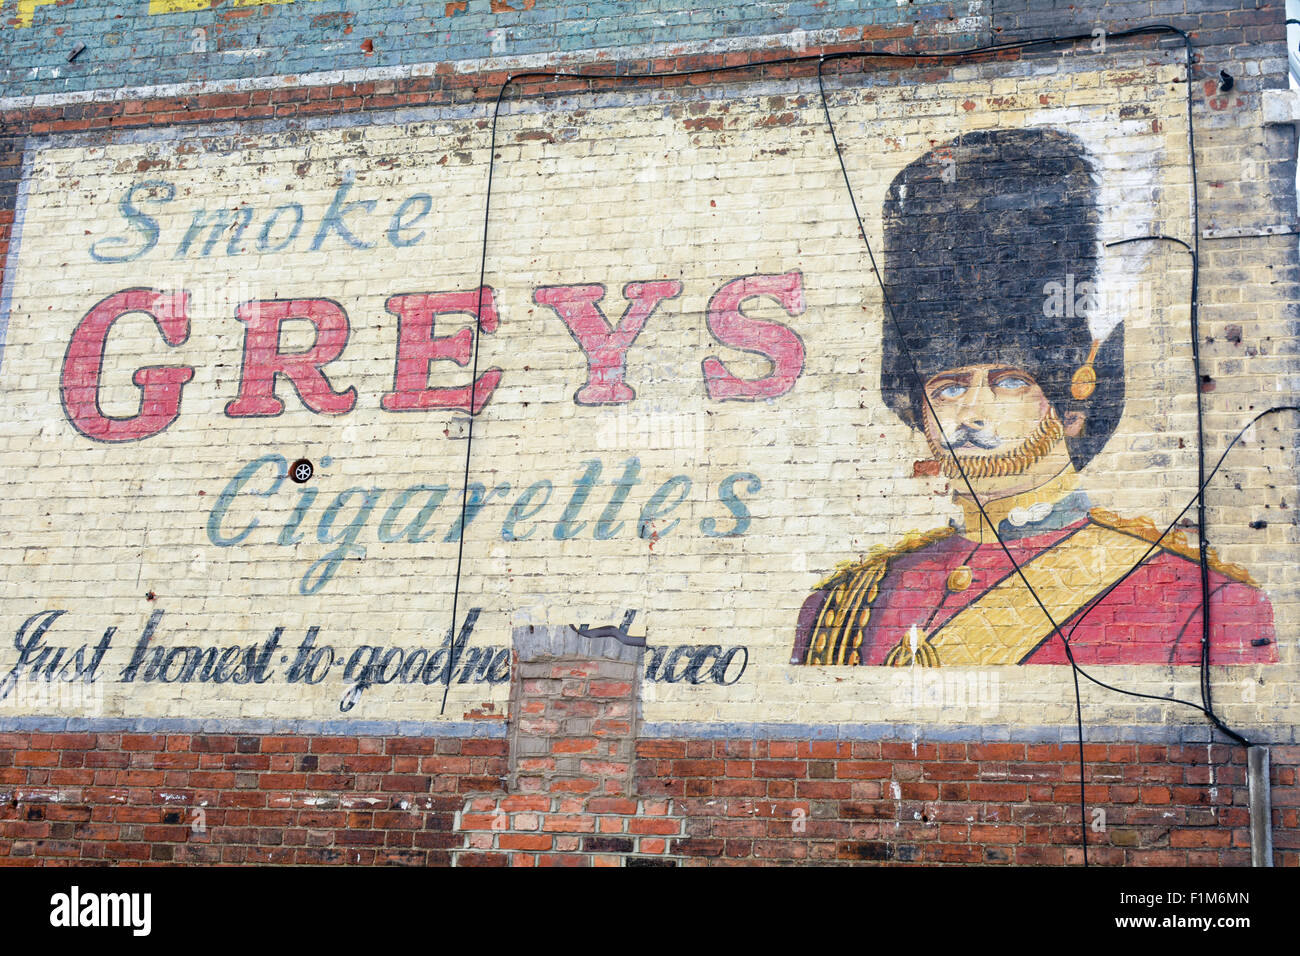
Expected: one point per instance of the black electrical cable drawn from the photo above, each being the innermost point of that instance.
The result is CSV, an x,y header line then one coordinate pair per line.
x,y
469,434
916,374
1204,708
1202,538
1150,30
1200,500
1202,479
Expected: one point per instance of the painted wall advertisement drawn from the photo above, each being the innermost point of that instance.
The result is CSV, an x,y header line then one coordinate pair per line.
x,y
239,482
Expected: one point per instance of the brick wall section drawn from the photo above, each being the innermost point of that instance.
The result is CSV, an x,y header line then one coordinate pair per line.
x,y
537,830
565,790
134,798
300,37
572,763
574,729
824,802
131,799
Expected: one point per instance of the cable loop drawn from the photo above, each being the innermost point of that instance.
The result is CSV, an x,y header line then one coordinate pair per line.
x,y
1021,45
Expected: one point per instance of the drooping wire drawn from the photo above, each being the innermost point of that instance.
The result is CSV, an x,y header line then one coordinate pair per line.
x,y
473,383
1204,707
1201,480
1204,567
1149,30
920,381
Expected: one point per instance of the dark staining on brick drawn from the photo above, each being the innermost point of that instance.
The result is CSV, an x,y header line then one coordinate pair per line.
x,y
868,811
865,851
713,123
698,847
606,845
332,21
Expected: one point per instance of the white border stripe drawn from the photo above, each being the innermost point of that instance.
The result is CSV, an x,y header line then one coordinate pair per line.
x,y
10,262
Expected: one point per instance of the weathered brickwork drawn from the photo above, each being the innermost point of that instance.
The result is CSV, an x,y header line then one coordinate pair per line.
x,y
198,798
662,478
237,236
202,798
785,801
154,43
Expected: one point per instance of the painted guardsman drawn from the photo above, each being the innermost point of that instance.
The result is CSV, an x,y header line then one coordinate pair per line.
x,y
1026,394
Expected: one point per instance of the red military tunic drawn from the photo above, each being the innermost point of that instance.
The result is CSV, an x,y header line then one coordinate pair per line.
x,y
910,595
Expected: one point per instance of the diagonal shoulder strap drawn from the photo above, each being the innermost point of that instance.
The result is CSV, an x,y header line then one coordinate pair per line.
x,y
1005,624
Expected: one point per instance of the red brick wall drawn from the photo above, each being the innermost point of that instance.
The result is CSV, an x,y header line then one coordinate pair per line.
x,y
892,801
374,800
133,798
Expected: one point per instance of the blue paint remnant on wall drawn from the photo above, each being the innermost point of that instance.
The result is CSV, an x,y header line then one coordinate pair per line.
x,y
126,46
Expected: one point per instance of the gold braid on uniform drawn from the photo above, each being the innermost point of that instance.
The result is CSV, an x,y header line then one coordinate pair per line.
x,y
903,654
837,634
1174,541
1045,436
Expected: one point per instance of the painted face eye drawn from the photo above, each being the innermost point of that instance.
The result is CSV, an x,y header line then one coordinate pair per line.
x,y
1012,383
949,392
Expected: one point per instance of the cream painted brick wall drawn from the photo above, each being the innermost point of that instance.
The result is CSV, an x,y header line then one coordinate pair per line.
x,y
700,186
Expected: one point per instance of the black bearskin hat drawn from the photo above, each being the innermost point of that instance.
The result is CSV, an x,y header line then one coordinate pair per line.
x,y
976,230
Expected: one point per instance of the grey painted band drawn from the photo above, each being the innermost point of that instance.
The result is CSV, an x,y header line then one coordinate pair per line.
x,y
919,733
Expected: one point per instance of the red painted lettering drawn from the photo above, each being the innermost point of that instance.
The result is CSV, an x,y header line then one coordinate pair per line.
x,y
418,347
263,359
775,342
605,347
160,386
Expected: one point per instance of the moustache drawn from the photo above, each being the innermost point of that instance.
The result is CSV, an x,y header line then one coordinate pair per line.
x,y
985,438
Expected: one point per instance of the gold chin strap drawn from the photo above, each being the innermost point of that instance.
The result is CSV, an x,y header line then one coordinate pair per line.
x,y
1084,381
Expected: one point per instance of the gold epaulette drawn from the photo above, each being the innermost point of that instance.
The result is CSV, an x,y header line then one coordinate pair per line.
x,y
884,552
1175,542
837,633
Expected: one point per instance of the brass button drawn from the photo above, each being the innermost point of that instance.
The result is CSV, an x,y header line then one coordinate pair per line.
x,y
959,579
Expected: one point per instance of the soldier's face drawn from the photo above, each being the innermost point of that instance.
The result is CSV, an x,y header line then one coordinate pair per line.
x,y
986,409
1001,432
